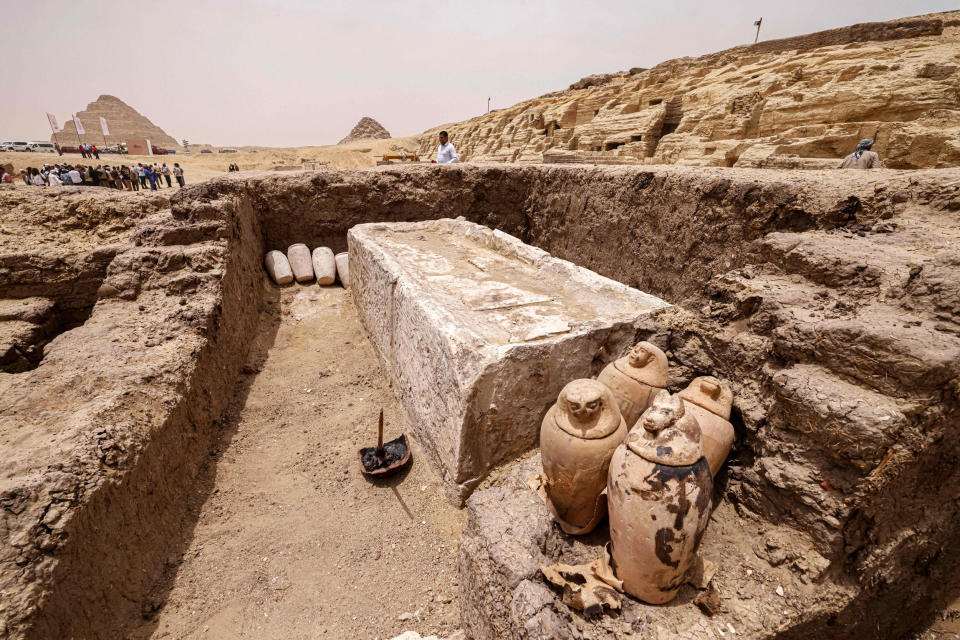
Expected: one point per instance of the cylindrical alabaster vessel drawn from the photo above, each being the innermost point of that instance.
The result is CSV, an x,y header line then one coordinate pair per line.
x,y
659,491
300,262
324,265
636,379
343,268
278,267
577,437
709,401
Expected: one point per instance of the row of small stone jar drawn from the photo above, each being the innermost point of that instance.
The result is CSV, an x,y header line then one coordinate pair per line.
x,y
655,479
303,266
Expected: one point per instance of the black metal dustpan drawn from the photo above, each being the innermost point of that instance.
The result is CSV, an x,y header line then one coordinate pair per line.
x,y
386,458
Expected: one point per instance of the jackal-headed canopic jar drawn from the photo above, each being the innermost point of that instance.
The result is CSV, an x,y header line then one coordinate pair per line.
x,y
709,400
659,491
636,379
577,437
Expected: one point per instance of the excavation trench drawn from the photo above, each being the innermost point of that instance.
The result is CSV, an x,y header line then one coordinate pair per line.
x,y
221,492
288,540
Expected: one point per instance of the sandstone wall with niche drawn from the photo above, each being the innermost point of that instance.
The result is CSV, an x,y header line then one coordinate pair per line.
x,y
779,103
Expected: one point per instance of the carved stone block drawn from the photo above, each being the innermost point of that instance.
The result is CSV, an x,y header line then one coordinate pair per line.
x,y
479,332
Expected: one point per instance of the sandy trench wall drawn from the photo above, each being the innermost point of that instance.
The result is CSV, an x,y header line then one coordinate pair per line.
x,y
130,403
619,222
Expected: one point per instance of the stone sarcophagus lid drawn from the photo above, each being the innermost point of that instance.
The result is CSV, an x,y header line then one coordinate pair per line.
x,y
478,333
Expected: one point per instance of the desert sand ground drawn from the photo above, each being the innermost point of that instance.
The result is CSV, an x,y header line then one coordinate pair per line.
x,y
290,540
203,166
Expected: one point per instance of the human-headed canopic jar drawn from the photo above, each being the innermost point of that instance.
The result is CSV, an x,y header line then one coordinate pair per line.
x,y
636,379
710,401
659,490
577,437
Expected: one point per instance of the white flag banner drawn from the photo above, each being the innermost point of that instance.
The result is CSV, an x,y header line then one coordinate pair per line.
x,y
103,126
53,122
79,125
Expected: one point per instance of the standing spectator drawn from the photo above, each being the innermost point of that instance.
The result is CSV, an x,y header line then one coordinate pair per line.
x,y
446,153
142,174
35,178
86,175
151,176
83,150
96,152
178,173
166,174
116,179
64,176
75,176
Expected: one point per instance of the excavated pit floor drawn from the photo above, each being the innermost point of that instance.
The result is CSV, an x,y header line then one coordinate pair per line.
x,y
289,540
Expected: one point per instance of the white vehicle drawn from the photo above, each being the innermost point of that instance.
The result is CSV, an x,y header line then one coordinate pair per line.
x,y
19,146
41,147
6,146
228,150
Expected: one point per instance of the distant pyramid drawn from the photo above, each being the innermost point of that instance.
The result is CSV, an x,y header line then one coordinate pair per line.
x,y
123,121
366,129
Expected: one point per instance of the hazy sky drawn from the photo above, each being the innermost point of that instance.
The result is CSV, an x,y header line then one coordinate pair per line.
x,y
299,72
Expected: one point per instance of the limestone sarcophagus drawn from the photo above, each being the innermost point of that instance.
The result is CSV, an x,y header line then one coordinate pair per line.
x,y
636,379
577,438
709,401
659,491
479,332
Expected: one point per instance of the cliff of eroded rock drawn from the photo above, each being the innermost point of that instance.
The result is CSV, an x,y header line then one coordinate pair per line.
x,y
798,102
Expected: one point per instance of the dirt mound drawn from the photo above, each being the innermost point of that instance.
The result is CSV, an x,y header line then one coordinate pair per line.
x,y
779,103
366,129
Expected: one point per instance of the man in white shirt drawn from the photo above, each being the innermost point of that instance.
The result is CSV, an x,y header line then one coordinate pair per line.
x,y
53,179
445,152
75,176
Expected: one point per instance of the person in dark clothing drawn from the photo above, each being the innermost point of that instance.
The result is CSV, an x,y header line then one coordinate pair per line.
x,y
96,152
152,177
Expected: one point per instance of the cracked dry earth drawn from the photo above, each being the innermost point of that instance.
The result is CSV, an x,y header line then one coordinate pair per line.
x,y
290,540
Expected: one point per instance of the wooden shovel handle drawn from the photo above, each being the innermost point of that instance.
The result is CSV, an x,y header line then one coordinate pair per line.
x,y
380,436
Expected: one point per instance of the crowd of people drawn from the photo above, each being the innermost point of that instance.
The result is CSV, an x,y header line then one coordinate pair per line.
x,y
121,177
